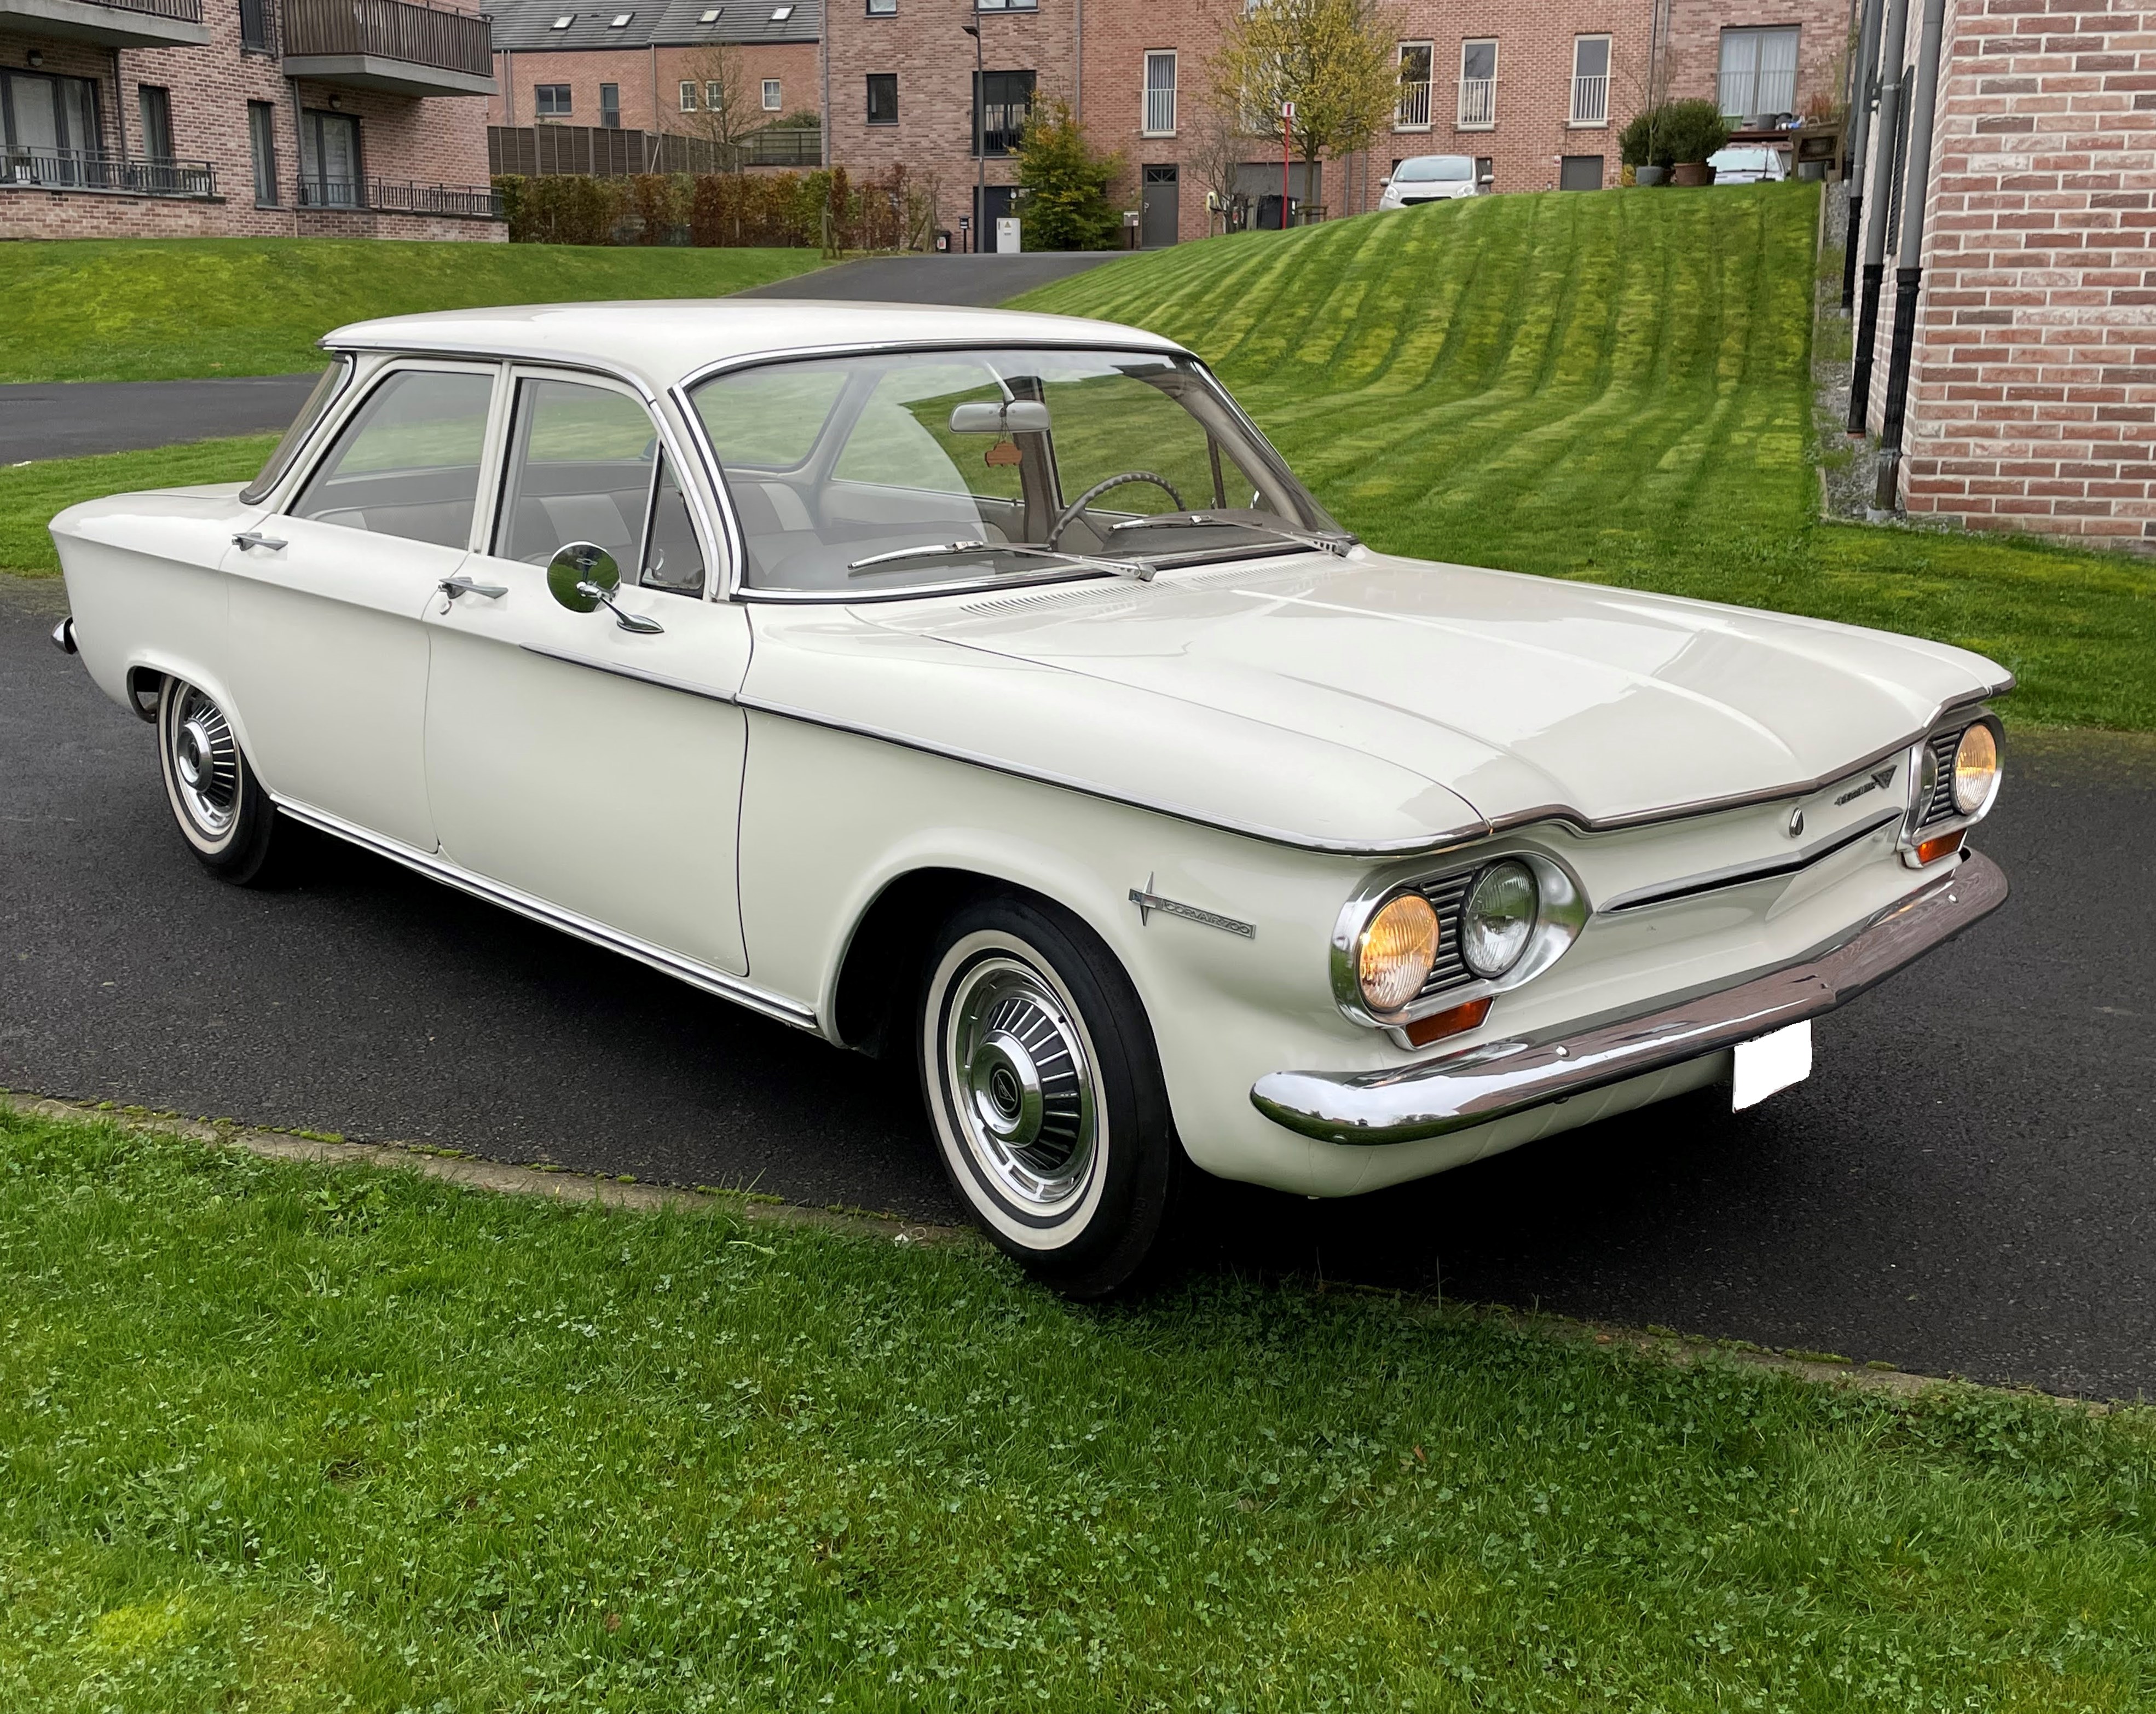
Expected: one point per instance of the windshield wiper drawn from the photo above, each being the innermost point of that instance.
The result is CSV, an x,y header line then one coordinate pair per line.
x,y
1196,521
1140,569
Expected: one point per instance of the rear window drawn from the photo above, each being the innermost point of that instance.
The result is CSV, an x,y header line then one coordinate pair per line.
x,y
1435,169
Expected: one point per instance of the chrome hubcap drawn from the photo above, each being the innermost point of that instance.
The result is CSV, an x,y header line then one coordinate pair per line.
x,y
205,763
1022,1089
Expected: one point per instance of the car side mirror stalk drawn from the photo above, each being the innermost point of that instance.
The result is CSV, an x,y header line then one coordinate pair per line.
x,y
582,577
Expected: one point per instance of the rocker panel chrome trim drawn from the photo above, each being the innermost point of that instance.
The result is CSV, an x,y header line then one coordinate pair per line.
x,y
1438,1097
702,975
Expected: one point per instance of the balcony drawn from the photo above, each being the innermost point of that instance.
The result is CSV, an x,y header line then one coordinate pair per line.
x,y
386,196
1478,104
389,45
1590,100
1414,107
96,170
109,23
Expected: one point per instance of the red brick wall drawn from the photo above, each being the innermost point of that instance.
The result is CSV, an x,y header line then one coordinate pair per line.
x,y
1822,26
2033,393
440,141
793,63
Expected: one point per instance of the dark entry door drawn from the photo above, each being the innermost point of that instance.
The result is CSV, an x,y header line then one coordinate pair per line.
x,y
1580,172
1160,220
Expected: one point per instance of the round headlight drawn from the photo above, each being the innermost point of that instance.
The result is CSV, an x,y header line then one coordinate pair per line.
x,y
1499,918
1397,949
1975,768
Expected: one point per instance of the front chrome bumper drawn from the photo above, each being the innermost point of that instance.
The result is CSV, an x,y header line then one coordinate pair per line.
x,y
1436,1097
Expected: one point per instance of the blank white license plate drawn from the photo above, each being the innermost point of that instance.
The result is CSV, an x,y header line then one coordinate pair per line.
x,y
1771,1064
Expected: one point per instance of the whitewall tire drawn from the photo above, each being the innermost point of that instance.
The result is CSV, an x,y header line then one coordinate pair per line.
x,y
222,812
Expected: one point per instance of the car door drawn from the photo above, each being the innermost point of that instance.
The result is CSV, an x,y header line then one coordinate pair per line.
x,y
569,758
325,599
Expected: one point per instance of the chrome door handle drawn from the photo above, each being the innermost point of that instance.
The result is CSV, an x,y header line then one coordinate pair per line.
x,y
462,585
255,538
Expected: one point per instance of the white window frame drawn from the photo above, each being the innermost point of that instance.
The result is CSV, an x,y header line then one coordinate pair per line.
x,y
772,99
1487,111
1588,107
715,96
1402,119
1148,118
1755,36
688,98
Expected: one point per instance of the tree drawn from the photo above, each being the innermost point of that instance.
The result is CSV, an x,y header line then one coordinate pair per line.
x,y
1063,184
1332,58
724,114
1215,149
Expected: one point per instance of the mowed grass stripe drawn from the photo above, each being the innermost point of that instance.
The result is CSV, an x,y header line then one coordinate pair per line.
x,y
1615,388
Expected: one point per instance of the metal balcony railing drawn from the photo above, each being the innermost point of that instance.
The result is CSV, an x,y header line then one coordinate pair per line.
x,y
1414,107
783,146
390,29
1590,99
1160,111
187,10
1478,102
385,196
96,170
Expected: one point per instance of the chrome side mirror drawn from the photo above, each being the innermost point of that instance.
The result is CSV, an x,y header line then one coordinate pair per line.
x,y
583,575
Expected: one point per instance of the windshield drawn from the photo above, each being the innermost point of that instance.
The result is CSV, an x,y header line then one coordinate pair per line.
x,y
1740,161
862,476
1428,169
318,401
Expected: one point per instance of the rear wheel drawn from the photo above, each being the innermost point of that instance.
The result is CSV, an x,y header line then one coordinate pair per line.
x,y
1045,1095
226,818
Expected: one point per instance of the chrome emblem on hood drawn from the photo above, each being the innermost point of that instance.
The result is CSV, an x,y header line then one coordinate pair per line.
x,y
1881,777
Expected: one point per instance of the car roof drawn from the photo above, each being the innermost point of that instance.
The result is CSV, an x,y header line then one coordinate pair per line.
x,y
661,340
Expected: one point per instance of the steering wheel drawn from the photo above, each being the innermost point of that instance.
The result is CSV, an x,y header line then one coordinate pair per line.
x,y
1070,512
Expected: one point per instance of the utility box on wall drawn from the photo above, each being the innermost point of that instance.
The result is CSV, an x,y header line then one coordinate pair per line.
x,y
1007,236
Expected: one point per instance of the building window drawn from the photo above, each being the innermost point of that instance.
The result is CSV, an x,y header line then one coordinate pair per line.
x,y
1415,87
883,9
1006,5
688,98
770,95
1579,172
610,106
254,26
262,144
883,98
1003,103
49,125
1160,94
551,101
715,97
1759,72
154,104
328,161
1478,85
1590,80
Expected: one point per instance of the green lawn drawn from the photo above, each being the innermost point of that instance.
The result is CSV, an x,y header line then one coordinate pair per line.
x,y
155,310
30,494
1616,388
285,1437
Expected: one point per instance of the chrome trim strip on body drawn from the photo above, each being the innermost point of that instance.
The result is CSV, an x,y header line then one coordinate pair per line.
x,y
702,975
641,676
1715,881
1438,1096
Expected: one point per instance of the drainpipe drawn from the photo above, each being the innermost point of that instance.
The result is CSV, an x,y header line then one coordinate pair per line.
x,y
1860,105
509,88
1078,67
653,153
1874,240
1908,272
120,113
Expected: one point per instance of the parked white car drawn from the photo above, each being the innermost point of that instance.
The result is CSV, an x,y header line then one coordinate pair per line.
x,y
1430,178
982,688
1749,164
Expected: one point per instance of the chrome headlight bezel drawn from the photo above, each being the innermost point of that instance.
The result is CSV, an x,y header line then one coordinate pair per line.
x,y
1562,913
1933,813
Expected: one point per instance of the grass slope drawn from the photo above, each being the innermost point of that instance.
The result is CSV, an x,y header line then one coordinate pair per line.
x,y
155,310
1617,388
30,494
274,1436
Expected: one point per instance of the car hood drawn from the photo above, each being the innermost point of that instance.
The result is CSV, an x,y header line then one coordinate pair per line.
x,y
1374,702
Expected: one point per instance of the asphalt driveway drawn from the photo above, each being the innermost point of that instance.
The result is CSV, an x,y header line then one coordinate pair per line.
x,y
1967,1184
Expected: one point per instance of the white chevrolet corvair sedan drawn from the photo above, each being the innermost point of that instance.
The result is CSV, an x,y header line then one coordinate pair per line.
x,y
983,688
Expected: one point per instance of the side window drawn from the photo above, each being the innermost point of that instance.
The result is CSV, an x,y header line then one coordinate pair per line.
x,y
407,462
584,465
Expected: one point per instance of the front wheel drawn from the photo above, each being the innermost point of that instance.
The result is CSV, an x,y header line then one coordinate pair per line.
x,y
1044,1092
225,816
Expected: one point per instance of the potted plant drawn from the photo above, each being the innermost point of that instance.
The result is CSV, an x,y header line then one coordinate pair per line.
x,y
1673,141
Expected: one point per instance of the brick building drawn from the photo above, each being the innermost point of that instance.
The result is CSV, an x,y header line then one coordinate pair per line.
x,y
1536,92
654,65
171,118
2032,399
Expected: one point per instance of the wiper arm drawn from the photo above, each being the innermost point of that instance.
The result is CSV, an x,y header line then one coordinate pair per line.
x,y
1194,521
1143,570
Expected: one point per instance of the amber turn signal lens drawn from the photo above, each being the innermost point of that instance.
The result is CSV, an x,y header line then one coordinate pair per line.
x,y
1439,1024
1397,949
1943,846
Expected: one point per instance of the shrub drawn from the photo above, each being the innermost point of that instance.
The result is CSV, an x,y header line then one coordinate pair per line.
x,y
564,208
773,209
1064,185
661,201
1674,131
